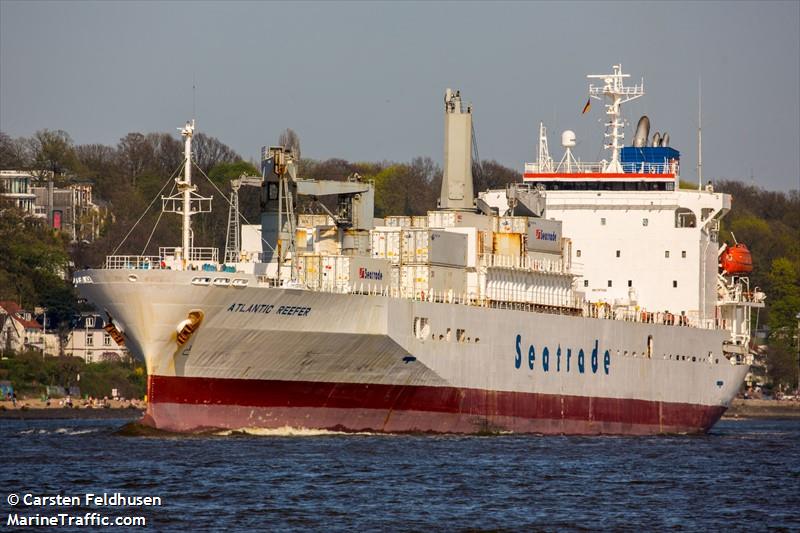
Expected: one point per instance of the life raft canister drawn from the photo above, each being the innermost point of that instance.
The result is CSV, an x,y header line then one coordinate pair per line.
x,y
736,259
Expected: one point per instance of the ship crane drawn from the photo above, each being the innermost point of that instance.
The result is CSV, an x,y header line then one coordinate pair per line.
x,y
233,236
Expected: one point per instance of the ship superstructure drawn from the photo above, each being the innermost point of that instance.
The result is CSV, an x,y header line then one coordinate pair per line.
x,y
586,299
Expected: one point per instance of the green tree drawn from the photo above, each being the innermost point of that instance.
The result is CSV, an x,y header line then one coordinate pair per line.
x,y
785,297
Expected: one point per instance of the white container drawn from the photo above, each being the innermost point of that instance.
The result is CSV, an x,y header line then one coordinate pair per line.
x,y
543,235
312,221
511,224
456,219
326,240
346,274
309,270
424,282
398,222
437,247
386,244
474,243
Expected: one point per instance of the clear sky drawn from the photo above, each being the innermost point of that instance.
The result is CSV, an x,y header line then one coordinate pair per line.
x,y
364,81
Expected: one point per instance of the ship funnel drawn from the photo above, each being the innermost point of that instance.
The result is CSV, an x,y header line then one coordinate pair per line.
x,y
665,139
656,140
642,132
457,187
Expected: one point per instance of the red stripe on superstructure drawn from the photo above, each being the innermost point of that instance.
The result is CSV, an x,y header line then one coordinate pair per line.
x,y
596,175
441,402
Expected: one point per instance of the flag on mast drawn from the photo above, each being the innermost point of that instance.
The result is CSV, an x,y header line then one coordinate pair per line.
x,y
587,106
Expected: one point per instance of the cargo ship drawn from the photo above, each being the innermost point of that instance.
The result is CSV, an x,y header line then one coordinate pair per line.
x,y
588,298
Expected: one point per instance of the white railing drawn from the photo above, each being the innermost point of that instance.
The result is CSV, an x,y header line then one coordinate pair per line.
x,y
524,262
206,253
597,168
139,262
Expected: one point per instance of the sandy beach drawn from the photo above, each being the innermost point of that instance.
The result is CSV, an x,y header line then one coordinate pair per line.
x,y
28,409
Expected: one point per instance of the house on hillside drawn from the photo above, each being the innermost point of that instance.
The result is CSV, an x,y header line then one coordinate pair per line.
x,y
19,331
91,342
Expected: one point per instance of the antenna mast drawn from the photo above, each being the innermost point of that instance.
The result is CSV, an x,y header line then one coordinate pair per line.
x,y
186,202
616,94
700,135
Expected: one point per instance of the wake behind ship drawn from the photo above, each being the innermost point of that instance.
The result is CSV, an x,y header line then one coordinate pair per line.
x,y
592,298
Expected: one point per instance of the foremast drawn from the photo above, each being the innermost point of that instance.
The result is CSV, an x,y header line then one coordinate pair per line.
x,y
187,202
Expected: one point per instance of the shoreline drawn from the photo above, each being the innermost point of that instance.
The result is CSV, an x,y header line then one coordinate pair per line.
x,y
775,409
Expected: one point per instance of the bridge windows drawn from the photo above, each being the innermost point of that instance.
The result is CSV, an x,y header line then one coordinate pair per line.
x,y
618,253
674,283
666,254
683,254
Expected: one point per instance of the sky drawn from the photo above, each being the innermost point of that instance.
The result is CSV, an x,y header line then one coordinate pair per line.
x,y
365,81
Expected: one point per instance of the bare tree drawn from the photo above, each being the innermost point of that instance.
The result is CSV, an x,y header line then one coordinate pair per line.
x,y
210,151
136,155
13,153
290,139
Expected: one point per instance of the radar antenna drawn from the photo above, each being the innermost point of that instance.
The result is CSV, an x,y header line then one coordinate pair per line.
x,y
616,94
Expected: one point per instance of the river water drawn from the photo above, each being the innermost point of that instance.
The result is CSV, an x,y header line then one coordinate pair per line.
x,y
744,475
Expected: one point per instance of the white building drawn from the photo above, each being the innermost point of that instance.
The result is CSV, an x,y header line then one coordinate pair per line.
x,y
89,341
15,186
19,331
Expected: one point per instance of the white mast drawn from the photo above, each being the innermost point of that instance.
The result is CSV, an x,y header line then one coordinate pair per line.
x,y
186,202
185,187
700,136
617,94
545,161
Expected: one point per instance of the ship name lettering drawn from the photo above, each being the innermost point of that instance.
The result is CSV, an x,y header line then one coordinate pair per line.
x,y
250,308
594,358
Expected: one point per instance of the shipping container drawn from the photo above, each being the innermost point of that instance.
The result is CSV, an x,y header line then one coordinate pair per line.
x,y
347,274
543,235
438,247
355,242
386,244
309,270
424,282
398,222
511,224
302,241
326,240
507,244
419,221
312,221
455,219
474,243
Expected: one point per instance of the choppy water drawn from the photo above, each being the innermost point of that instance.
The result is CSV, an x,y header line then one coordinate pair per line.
x,y
744,475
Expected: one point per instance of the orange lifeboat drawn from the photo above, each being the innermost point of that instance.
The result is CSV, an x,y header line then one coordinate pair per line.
x,y
736,259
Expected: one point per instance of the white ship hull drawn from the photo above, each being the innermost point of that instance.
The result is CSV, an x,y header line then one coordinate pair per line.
x,y
270,357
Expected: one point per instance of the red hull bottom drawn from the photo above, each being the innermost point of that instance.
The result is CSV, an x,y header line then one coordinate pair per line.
x,y
195,404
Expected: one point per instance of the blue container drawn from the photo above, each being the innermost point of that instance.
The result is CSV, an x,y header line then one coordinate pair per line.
x,y
655,154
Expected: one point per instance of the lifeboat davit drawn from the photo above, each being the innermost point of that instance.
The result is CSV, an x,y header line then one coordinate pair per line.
x,y
736,259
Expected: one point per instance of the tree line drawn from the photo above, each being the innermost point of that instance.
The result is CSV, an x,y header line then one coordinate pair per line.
x,y
128,176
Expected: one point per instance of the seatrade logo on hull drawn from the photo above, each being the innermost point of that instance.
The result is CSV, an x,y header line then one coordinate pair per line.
x,y
562,359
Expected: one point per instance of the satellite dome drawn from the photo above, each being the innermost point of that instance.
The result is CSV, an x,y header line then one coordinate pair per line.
x,y
568,139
